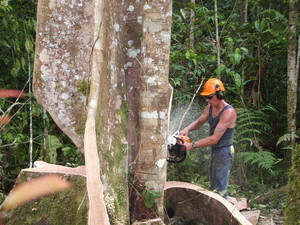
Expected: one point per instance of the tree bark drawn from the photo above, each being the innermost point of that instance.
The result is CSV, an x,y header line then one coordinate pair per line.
x,y
217,32
154,100
117,76
244,11
292,77
192,27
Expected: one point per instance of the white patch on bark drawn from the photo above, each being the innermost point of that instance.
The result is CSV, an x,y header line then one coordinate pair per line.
x,y
65,120
162,115
154,115
130,8
45,72
139,19
113,67
152,80
44,56
130,43
152,27
133,53
128,64
147,7
160,163
153,137
64,96
149,60
113,44
118,102
83,98
149,115
117,27
44,76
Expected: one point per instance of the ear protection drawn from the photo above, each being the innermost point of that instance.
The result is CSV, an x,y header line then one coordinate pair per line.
x,y
220,94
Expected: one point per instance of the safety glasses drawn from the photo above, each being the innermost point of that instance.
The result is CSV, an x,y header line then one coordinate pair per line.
x,y
209,96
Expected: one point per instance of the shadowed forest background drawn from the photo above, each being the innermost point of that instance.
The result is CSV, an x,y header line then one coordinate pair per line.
x,y
244,43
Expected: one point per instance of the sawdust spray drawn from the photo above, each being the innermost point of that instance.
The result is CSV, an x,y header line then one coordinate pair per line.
x,y
197,161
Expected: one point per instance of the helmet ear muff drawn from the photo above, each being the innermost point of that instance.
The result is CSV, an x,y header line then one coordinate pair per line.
x,y
219,93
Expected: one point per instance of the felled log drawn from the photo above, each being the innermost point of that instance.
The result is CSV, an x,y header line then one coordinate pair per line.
x,y
189,204
69,207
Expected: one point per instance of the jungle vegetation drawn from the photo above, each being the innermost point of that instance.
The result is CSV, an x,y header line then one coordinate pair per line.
x,y
243,42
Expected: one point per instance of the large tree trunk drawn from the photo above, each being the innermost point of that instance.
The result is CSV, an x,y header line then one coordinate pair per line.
x,y
292,77
155,92
108,60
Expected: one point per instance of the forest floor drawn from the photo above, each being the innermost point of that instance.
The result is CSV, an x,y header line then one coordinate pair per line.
x,y
271,217
271,206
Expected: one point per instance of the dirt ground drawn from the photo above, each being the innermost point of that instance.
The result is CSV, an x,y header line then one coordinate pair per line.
x,y
272,217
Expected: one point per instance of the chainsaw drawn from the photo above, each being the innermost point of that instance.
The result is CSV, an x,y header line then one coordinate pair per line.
x,y
176,149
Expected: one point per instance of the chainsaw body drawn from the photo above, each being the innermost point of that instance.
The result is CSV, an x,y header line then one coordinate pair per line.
x,y
176,149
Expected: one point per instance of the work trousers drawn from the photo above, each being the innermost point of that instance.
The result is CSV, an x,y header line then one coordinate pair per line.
x,y
221,159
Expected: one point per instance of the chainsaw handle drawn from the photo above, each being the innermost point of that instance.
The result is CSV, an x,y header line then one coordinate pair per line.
x,y
180,139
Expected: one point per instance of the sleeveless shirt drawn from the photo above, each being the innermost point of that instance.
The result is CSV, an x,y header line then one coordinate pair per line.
x,y
227,138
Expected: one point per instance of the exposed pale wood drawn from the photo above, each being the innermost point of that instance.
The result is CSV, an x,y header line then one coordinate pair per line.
x,y
44,167
156,221
190,202
252,216
97,210
240,203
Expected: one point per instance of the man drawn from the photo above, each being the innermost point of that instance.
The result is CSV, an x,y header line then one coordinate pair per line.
x,y
222,118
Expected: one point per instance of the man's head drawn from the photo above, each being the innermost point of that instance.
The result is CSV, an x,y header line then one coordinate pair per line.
x,y
213,87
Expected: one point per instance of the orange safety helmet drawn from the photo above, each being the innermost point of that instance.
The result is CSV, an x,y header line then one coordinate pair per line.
x,y
212,86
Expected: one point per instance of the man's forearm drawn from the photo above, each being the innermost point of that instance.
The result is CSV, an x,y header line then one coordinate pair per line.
x,y
208,141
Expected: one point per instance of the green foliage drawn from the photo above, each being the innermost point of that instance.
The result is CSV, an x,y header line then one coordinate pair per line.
x,y
263,160
82,86
285,140
54,144
150,196
17,32
252,126
266,197
293,199
253,130
253,69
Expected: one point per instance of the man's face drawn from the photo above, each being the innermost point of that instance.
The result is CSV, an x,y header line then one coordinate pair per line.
x,y
211,99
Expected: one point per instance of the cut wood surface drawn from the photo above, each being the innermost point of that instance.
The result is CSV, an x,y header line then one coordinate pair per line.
x,y
44,167
239,203
97,210
252,216
190,202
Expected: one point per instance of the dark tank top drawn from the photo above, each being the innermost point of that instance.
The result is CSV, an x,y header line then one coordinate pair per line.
x,y
227,138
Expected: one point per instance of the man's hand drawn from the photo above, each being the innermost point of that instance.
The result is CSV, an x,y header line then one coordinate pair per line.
x,y
188,146
184,132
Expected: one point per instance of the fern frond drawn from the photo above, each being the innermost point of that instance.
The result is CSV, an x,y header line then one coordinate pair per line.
x,y
263,159
245,131
285,137
252,125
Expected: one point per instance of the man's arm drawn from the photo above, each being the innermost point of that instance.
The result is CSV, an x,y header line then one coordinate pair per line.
x,y
227,120
196,124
